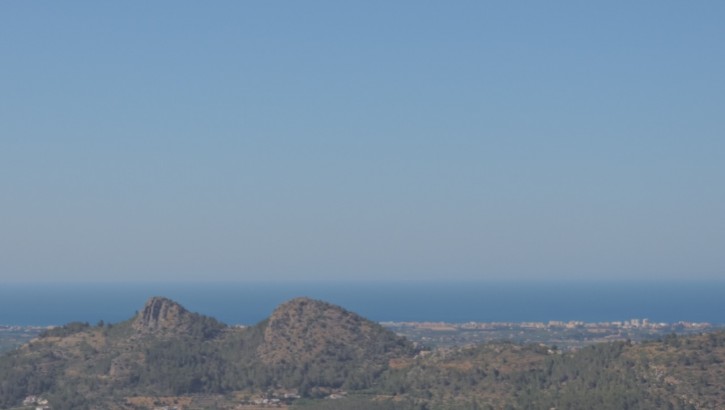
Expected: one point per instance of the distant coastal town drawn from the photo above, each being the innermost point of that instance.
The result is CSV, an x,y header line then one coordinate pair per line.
x,y
12,337
573,324
564,334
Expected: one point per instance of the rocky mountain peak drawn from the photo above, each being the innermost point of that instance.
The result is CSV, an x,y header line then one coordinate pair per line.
x,y
305,330
160,314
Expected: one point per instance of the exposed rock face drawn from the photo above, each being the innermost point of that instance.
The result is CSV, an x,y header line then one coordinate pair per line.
x,y
305,330
161,314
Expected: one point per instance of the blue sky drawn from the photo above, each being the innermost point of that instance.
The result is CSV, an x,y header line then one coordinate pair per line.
x,y
362,140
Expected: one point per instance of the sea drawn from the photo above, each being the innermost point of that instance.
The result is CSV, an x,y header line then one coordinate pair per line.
x,y
246,303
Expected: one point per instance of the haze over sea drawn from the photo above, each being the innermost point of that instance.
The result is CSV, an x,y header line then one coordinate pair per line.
x,y
248,303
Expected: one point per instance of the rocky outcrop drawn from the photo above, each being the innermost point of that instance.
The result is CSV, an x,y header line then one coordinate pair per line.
x,y
161,314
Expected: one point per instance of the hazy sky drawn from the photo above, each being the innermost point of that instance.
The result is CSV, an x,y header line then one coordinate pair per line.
x,y
393,140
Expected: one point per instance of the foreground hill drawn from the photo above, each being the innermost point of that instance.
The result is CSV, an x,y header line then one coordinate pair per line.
x,y
167,355
673,373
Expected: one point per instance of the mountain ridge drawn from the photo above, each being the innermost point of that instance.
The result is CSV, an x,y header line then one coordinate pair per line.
x,y
167,350
312,349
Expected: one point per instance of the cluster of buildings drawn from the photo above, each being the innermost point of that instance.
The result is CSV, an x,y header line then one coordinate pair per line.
x,y
272,399
37,401
557,324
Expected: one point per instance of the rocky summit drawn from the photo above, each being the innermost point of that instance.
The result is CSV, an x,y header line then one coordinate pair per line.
x,y
161,314
303,331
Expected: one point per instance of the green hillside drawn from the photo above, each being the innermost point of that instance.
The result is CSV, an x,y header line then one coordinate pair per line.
x,y
310,354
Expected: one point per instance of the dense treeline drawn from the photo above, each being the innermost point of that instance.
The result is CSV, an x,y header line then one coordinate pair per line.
x,y
680,373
